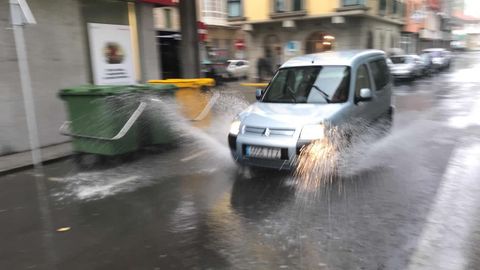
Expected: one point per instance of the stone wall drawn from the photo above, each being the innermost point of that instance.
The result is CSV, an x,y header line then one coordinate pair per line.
x,y
55,48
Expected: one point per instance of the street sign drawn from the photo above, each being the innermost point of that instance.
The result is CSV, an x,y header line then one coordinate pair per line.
x,y
202,31
240,44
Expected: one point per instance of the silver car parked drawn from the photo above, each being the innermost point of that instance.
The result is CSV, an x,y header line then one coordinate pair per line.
x,y
407,66
308,95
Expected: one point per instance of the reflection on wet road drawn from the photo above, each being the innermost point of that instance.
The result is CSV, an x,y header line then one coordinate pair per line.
x,y
409,200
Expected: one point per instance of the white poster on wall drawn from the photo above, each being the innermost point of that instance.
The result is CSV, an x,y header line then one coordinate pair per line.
x,y
111,54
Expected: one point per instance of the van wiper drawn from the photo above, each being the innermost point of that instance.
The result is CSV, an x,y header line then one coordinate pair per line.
x,y
325,95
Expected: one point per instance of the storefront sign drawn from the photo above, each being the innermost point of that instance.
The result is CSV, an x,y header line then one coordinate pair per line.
x,y
292,48
111,54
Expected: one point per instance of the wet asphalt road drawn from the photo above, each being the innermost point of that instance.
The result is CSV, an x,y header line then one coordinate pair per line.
x,y
411,201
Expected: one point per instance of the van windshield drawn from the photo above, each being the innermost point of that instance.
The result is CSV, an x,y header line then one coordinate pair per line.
x,y
317,84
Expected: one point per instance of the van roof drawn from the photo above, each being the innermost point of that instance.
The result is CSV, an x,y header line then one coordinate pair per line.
x,y
331,58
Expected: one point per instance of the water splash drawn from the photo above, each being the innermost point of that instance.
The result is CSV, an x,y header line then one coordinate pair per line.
x,y
324,163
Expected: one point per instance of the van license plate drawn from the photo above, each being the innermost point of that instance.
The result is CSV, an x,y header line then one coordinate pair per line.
x,y
263,152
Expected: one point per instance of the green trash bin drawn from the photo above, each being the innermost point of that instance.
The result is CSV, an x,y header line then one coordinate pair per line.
x,y
155,122
103,119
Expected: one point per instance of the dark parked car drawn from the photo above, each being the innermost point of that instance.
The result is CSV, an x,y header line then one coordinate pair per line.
x,y
429,68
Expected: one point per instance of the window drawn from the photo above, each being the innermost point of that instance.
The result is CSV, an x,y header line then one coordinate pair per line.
x,y
239,63
380,73
280,6
382,7
234,8
319,84
347,3
362,80
168,18
297,5
214,8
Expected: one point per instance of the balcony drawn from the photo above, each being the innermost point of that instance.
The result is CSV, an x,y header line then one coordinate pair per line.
x,y
346,5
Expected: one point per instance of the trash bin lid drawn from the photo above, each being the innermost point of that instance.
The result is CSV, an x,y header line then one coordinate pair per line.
x,y
98,90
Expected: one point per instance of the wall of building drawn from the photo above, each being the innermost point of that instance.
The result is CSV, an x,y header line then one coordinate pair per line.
x,y
160,21
56,54
256,10
315,7
352,34
147,42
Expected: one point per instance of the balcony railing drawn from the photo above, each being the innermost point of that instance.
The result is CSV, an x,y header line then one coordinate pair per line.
x,y
348,3
287,8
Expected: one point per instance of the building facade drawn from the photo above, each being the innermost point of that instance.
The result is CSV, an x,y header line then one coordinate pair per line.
x,y
428,24
167,26
221,36
59,56
279,29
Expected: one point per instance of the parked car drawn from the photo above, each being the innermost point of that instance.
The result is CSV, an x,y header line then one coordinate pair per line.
x,y
441,58
214,70
237,69
429,68
308,96
406,66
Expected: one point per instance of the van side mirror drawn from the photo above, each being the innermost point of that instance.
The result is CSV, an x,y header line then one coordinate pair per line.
x,y
365,94
258,93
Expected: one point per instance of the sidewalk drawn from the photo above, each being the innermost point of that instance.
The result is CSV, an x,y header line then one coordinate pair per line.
x,y
24,159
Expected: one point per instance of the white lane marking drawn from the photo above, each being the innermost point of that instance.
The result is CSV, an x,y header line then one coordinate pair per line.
x,y
185,159
444,242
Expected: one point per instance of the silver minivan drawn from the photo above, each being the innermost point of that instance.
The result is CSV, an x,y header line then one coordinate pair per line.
x,y
308,95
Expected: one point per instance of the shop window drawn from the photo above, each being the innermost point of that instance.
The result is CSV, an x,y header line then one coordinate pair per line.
x,y
319,42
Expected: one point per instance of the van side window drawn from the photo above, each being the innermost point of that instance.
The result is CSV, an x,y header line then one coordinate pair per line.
x,y
380,73
362,80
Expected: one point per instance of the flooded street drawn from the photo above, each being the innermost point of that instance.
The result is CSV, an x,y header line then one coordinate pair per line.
x,y
408,200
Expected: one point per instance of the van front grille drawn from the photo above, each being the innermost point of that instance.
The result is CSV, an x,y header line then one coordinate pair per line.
x,y
271,131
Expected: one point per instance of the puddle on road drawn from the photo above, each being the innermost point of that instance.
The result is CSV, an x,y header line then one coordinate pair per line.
x,y
208,150
319,165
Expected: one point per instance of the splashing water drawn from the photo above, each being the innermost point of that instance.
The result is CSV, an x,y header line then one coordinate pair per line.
x,y
323,163
318,162
211,141
345,152
209,144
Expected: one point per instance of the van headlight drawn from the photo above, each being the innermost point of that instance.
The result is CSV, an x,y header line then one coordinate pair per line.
x,y
235,127
312,132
